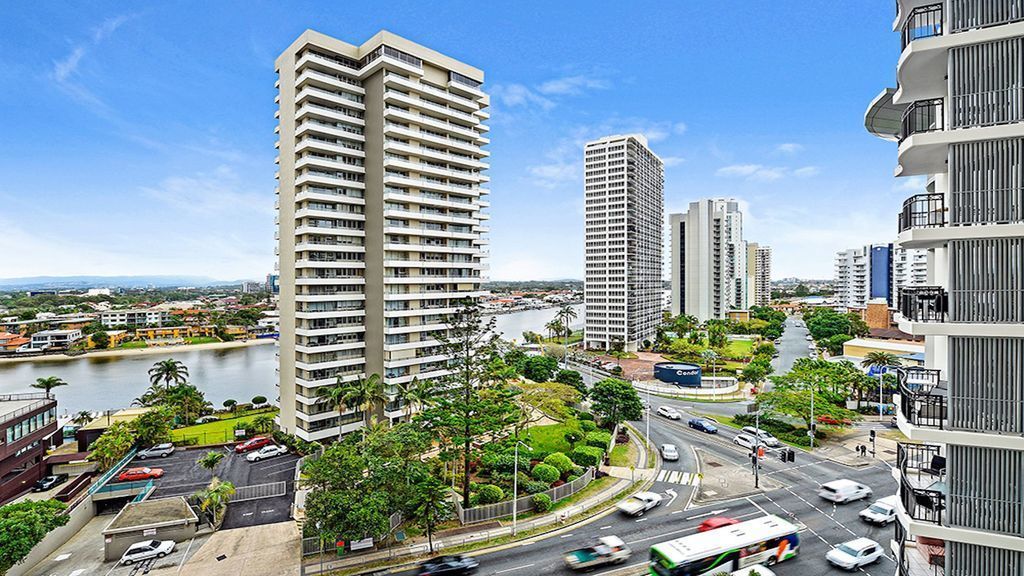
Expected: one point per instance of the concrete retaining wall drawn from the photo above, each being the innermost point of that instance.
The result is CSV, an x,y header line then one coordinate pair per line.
x,y
712,387
80,515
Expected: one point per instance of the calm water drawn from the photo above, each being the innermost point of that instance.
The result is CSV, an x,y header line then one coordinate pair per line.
x,y
99,383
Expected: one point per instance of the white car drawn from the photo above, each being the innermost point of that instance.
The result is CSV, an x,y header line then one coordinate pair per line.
x,y
639,503
669,412
843,491
669,452
855,553
809,338
266,452
160,450
881,512
766,438
146,550
755,570
745,440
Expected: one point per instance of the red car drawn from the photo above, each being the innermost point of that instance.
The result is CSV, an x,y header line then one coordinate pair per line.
x,y
829,420
716,522
139,474
252,444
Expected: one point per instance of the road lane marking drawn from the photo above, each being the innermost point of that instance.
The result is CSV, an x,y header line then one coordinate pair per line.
x,y
711,513
616,570
566,535
661,476
185,555
640,520
758,506
62,557
513,569
77,572
677,512
604,527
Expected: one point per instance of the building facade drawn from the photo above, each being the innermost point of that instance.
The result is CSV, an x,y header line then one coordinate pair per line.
x,y
153,317
877,271
958,121
381,223
28,423
624,191
709,259
759,274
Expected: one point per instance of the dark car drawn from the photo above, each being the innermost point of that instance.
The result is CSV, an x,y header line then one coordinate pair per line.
x,y
703,425
45,483
445,565
252,444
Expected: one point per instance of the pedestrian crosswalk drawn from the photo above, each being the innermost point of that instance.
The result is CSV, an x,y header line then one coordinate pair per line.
x,y
678,477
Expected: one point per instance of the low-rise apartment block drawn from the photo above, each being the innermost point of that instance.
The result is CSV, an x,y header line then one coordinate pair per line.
x,y
141,317
48,339
28,424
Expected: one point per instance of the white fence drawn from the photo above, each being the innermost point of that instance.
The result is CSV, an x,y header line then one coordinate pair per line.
x,y
523,504
710,387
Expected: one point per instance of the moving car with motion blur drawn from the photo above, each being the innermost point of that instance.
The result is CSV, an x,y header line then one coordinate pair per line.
x,y
607,550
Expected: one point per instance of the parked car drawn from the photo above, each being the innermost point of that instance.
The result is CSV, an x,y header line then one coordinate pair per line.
x,y
133,474
833,421
745,440
703,425
881,512
266,452
669,452
160,450
669,412
716,522
639,503
766,438
607,550
252,444
146,550
206,419
811,346
809,338
843,491
854,554
449,565
47,482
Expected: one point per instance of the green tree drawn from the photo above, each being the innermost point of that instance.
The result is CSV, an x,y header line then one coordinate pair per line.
x,y
112,445
532,337
168,371
430,507
757,370
350,496
858,327
834,344
230,404
263,423
49,383
100,340
574,379
421,393
616,401
368,395
566,314
215,497
259,400
801,290
82,418
24,525
797,403
540,368
186,400
336,396
573,436
153,427
880,360
210,460
717,335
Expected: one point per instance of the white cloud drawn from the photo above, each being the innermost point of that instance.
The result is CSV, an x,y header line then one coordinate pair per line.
x,y
806,171
64,68
911,184
572,85
209,195
108,27
680,128
513,95
671,161
556,173
789,148
751,172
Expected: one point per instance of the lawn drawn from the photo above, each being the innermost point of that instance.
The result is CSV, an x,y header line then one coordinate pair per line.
x,y
138,344
623,454
201,340
222,427
575,338
740,349
550,438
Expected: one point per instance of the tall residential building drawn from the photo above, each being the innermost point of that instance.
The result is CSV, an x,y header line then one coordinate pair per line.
x,y
958,120
709,259
381,224
759,274
625,196
877,271
909,268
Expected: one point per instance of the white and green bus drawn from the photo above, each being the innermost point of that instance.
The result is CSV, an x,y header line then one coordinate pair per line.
x,y
762,541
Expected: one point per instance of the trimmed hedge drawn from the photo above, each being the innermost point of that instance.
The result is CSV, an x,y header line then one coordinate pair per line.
x,y
598,439
489,494
585,416
505,463
587,425
560,461
534,486
587,455
541,502
546,473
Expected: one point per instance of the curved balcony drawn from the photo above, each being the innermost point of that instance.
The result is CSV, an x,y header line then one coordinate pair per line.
x,y
924,304
920,556
923,211
923,397
922,22
922,116
922,481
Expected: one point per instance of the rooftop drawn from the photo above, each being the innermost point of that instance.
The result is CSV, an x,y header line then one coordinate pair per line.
x,y
150,513
126,415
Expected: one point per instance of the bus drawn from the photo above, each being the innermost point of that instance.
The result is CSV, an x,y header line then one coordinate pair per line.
x,y
762,541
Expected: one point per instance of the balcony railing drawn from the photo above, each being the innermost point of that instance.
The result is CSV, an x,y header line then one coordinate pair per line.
x,y
923,22
919,379
919,557
922,116
924,304
923,211
924,407
922,481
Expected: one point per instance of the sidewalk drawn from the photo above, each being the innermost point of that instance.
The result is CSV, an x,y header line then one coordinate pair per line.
x,y
556,519
842,448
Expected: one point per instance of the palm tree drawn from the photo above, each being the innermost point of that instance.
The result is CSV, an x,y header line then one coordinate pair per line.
x,y
420,393
554,327
48,383
336,395
881,361
82,418
263,423
566,315
367,393
215,496
210,460
430,506
169,370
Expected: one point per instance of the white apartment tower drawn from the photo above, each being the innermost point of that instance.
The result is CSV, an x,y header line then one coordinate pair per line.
x,y
958,119
759,274
380,210
624,190
877,271
709,259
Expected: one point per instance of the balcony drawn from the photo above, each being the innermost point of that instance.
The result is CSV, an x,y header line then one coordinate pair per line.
x,y
923,211
924,304
923,398
922,481
919,557
922,116
922,22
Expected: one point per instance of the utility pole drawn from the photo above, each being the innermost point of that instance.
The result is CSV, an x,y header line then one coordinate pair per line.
x,y
515,482
881,373
811,431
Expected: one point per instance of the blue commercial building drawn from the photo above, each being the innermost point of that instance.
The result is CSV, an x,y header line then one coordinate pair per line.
x,y
881,273
678,373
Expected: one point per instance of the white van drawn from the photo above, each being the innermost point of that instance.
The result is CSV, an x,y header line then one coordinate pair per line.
x,y
843,491
766,438
753,571
881,512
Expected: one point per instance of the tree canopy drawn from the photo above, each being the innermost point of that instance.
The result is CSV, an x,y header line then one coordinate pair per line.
x,y
24,525
616,401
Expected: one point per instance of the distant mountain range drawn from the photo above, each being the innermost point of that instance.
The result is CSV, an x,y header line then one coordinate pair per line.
x,y
83,282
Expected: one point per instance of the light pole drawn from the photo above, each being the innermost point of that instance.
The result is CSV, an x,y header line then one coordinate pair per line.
x,y
881,373
811,431
515,482
647,420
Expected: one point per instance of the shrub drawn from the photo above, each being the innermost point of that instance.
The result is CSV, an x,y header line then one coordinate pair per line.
x,y
504,463
489,494
559,461
598,439
585,416
541,502
571,478
587,455
474,500
578,470
534,487
546,473
587,425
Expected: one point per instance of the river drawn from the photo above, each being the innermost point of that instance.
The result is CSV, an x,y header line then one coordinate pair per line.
x,y
103,383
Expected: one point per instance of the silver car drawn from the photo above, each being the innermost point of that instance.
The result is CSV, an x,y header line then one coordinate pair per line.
x,y
669,452
160,450
145,550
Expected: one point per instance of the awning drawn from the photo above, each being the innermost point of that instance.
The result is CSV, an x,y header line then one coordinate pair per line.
x,y
883,118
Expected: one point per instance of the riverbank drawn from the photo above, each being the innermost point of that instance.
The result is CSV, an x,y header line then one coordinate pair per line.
x,y
124,352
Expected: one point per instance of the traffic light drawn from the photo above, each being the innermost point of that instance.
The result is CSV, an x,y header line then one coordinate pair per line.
x,y
790,455
872,433
783,455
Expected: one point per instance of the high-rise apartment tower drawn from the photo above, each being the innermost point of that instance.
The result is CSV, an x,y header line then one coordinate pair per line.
x,y
380,210
709,259
625,196
759,274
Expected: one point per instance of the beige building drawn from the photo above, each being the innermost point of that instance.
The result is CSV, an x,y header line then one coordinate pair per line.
x,y
759,274
381,224
709,259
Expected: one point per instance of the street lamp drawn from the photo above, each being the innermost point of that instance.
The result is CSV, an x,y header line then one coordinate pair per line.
x,y
515,482
647,420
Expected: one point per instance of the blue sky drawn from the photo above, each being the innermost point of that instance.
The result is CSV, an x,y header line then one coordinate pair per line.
x,y
137,138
